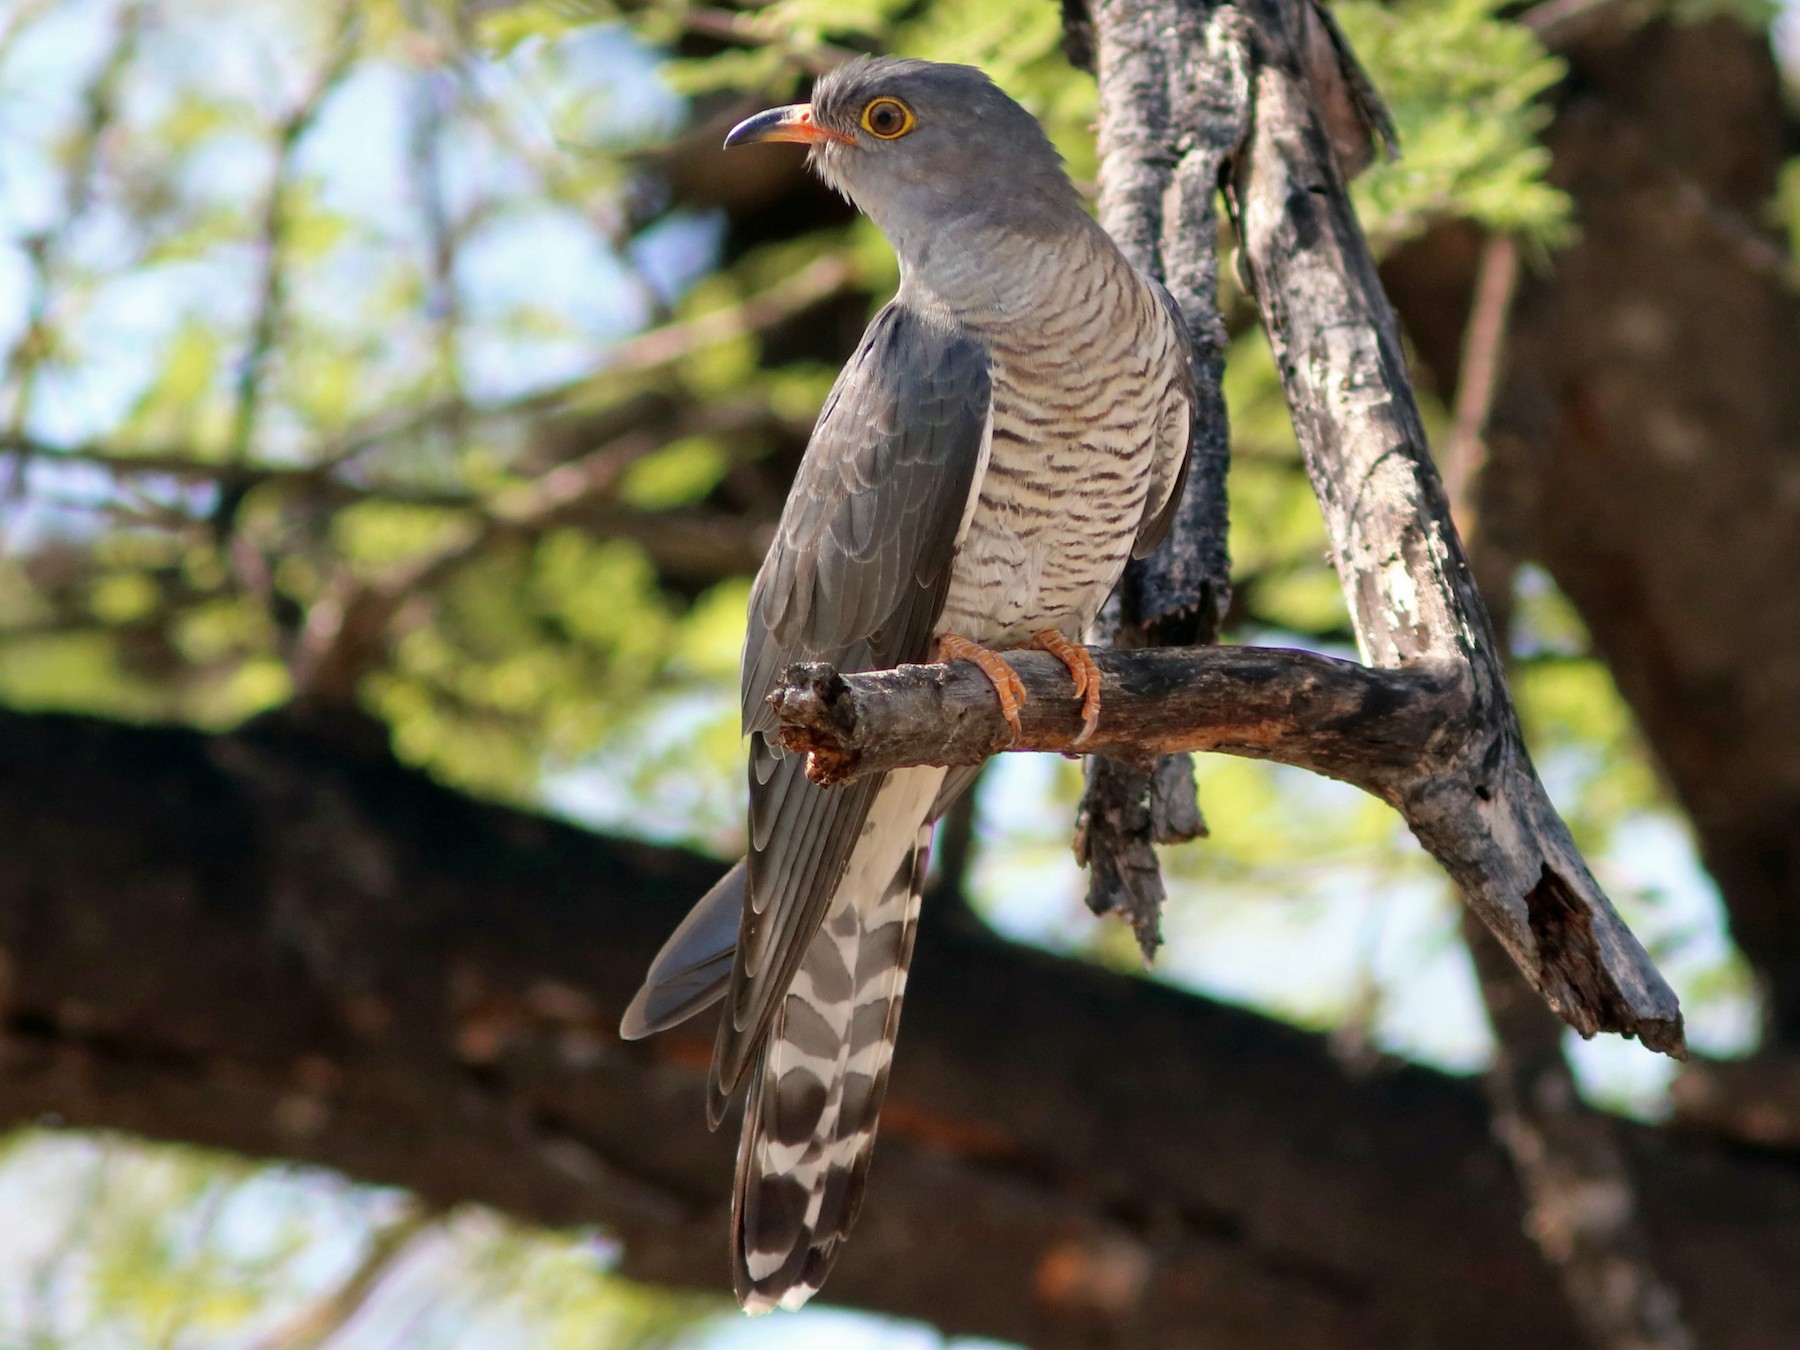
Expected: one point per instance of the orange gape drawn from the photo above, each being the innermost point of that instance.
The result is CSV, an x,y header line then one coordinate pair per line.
x,y
1011,690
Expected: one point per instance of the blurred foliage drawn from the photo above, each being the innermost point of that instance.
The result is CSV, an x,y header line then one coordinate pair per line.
x,y
425,360
165,1246
1463,85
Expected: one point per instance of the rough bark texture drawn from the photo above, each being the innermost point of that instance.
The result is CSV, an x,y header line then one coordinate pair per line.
x,y
1374,728
1644,451
289,949
1167,124
1411,595
1479,808
270,944
1582,1205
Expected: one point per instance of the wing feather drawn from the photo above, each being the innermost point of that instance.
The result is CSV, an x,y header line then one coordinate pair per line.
x,y
857,577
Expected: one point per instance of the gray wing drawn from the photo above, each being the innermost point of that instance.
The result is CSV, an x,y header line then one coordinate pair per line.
x,y
1176,441
691,971
857,577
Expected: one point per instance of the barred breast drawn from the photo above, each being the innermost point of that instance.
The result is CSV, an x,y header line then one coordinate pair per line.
x,y
1088,419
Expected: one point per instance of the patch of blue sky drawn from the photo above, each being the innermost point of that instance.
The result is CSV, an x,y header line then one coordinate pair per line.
x,y
479,167
319,1217
671,255
1303,642
595,88
117,337
41,82
263,54
31,188
547,298
1785,33
543,289
230,166
312,1224
1654,875
1307,943
619,790
827,1328
356,151
62,501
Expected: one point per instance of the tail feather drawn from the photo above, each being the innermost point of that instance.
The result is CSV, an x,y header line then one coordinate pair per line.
x,y
815,1096
694,966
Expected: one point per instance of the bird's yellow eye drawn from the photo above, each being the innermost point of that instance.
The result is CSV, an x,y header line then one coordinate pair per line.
x,y
887,118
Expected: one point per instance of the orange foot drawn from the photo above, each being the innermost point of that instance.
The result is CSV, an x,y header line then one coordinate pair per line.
x,y
1082,668
1007,684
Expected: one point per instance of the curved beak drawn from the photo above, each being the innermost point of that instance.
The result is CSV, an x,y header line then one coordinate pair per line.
x,y
792,123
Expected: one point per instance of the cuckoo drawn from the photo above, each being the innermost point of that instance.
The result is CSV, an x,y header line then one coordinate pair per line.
x,y
1011,430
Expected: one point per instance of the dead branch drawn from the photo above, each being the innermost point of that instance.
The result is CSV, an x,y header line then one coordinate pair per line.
x,y
1482,812
1166,131
1484,343
1369,727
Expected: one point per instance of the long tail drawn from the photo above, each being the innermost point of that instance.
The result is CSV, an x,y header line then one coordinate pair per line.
x,y
809,1123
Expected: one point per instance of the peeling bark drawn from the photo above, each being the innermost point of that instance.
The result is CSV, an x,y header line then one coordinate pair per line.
x,y
1374,728
1411,595
1642,448
1646,439
1168,122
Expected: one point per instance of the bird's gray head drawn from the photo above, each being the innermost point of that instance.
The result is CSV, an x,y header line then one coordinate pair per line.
x,y
924,149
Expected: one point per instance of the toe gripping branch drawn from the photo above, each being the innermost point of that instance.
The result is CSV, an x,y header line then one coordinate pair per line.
x,y
1010,690
1007,686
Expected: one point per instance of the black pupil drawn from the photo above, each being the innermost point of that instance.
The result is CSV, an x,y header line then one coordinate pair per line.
x,y
887,117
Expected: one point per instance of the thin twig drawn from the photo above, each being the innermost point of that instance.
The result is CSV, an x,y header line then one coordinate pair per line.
x,y
1484,347
443,302
271,289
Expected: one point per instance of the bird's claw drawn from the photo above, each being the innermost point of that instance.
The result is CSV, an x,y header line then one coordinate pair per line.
x,y
1084,672
1008,687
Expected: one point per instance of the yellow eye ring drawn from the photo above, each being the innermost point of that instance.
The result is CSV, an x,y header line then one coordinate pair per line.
x,y
887,119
